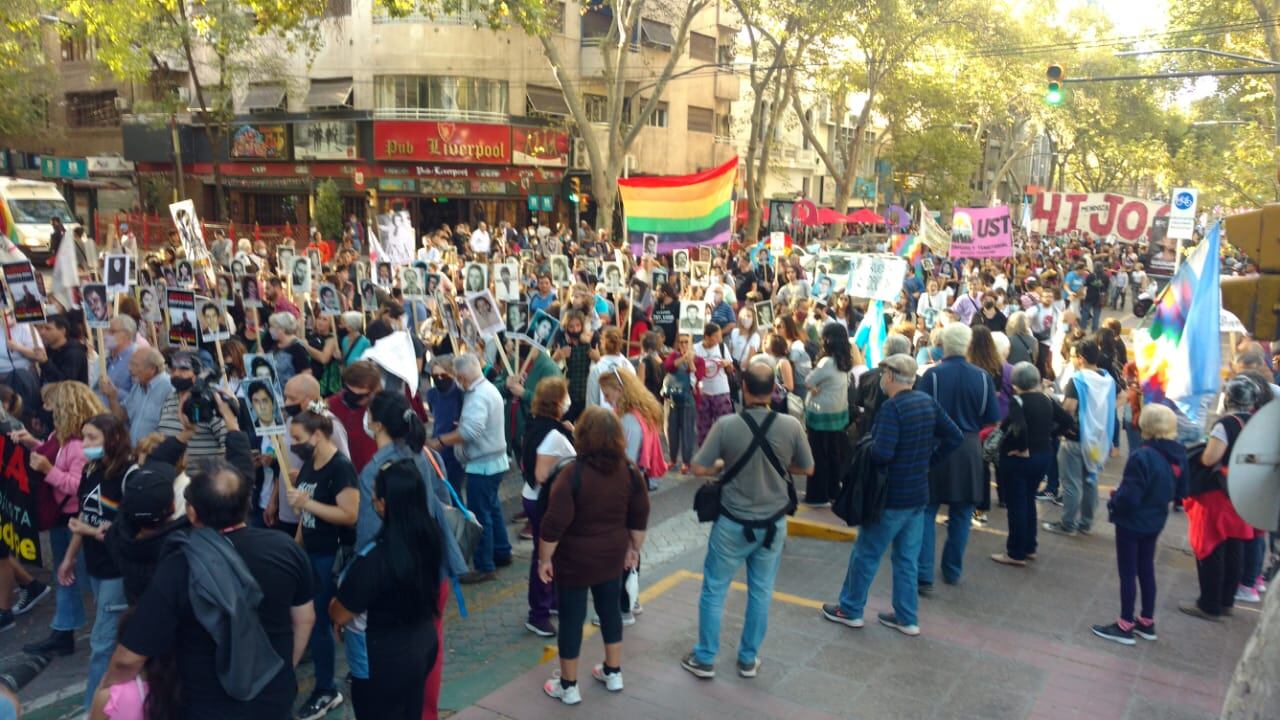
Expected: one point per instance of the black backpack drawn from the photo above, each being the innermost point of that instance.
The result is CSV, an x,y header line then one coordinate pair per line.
x,y
575,482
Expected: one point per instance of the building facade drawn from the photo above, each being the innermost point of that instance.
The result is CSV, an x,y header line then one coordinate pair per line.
x,y
444,118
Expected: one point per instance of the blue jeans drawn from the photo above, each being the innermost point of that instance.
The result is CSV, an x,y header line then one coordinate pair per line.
x,y
902,527
68,611
323,648
727,549
1133,436
1254,552
1079,488
958,523
482,499
108,597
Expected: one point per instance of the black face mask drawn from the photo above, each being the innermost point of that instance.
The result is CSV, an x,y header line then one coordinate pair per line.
x,y
443,384
181,384
304,452
351,399
291,410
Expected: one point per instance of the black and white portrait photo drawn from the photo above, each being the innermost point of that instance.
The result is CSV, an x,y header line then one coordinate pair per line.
x,y
680,261
693,317
301,276
506,281
560,276
116,273
475,278
517,317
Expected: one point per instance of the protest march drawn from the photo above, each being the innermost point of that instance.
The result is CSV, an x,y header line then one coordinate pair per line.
x,y
217,448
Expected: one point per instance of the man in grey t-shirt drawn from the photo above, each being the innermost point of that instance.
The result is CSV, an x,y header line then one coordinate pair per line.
x,y
752,522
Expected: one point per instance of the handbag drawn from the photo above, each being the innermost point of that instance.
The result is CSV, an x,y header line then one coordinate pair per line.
x,y
795,406
462,523
706,501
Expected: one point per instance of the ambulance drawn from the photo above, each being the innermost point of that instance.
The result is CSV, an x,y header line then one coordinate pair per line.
x,y
26,209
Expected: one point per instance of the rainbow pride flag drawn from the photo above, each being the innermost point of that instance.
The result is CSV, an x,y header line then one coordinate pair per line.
x,y
907,246
680,211
1180,356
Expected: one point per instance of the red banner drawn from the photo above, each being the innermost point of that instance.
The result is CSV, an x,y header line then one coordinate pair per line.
x,y
442,142
1099,214
544,147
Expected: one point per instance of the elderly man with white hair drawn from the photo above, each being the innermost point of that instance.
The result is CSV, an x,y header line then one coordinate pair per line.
x,y
149,390
121,341
967,395
289,351
481,446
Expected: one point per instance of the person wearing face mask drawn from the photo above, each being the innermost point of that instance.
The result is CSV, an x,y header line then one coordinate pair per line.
x,y
744,340
120,341
143,404
547,441
445,400
108,455
399,434
209,435
326,500
360,381
290,353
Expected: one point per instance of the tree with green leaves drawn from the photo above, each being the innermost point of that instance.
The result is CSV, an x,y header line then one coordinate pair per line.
x,y
25,74
221,45
328,219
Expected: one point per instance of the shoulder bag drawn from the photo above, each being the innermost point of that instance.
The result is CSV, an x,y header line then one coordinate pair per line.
x,y
706,501
463,524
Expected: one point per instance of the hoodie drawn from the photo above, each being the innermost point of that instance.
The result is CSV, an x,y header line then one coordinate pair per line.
x,y
1154,476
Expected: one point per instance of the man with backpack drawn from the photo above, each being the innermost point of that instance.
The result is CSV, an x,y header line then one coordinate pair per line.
x,y
754,453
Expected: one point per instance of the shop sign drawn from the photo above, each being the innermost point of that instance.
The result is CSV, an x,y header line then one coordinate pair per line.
x,y
63,168
544,147
546,203
488,187
325,140
397,185
260,142
453,142
108,165
457,188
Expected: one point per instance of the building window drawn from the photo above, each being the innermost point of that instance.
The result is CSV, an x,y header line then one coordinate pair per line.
x,y
337,8
659,117
597,108
76,48
701,120
656,35
702,47
724,53
595,25
442,93
724,127
92,109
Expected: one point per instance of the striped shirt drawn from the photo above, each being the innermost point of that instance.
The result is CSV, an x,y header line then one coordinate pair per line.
x,y
208,438
909,430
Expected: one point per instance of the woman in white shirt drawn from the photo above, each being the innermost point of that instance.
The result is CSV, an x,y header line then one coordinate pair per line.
x,y
931,303
549,440
744,341
611,359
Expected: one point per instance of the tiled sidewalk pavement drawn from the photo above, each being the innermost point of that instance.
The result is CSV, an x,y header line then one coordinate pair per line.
x,y
1004,643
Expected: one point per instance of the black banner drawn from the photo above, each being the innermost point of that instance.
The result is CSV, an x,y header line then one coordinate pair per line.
x,y
18,502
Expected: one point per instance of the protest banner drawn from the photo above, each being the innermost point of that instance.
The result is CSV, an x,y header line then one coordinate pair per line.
x,y
1129,218
18,503
182,317
24,291
877,277
981,233
932,233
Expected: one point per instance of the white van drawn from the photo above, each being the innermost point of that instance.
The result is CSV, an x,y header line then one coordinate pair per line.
x,y
30,205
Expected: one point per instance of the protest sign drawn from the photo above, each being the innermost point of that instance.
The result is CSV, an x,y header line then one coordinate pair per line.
x,y
981,233
24,290
1098,213
18,503
877,277
938,240
182,316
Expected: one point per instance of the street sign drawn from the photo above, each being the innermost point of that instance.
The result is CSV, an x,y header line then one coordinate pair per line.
x,y
1182,213
64,168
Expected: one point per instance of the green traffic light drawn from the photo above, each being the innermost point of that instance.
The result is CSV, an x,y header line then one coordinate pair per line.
x,y
1053,96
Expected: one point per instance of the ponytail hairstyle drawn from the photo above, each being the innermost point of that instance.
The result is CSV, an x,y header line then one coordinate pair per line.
x,y
410,537
391,410
313,418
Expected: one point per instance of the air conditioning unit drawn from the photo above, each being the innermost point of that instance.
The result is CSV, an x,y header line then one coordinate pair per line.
x,y
123,103
578,158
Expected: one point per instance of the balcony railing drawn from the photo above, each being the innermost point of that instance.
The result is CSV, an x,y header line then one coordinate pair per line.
x,y
479,116
469,18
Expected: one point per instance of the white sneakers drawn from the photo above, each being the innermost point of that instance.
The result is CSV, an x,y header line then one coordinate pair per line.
x,y
567,695
572,695
612,683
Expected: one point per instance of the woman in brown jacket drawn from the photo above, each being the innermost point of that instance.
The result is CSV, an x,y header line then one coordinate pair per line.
x,y
589,535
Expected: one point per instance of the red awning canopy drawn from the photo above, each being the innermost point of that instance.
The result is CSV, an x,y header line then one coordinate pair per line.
x,y
866,217
827,216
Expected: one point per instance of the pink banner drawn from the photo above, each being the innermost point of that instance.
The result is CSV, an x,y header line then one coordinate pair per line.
x,y
981,233
1098,214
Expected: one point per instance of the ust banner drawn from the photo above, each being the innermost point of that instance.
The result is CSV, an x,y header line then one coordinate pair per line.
x,y
1100,214
981,233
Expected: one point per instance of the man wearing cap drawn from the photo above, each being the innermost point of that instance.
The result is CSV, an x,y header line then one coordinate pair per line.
x,y
143,405
209,436
909,433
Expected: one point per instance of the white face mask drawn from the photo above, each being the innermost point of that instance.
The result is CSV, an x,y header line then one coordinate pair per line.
x,y
746,322
368,430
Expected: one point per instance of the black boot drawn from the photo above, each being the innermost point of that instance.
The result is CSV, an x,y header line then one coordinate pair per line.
x,y
59,642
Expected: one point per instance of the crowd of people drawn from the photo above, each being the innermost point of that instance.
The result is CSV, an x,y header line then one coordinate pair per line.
x,y
233,504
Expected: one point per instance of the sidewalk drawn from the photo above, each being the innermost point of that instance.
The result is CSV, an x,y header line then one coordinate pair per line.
x,y
1004,643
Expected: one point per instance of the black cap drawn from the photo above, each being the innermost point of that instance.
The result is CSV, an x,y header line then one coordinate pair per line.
x,y
148,495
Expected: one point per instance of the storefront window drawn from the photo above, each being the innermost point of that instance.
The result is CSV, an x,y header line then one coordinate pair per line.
x,y
447,94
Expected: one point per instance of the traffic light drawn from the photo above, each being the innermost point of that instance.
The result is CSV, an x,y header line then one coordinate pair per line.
x,y
371,197
575,189
1057,79
584,199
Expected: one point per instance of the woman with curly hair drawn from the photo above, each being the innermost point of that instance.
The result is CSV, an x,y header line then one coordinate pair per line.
x,y
72,404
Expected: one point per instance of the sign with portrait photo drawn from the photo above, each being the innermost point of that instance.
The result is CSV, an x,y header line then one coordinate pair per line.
x,y
542,329
150,302
693,317
701,274
680,261
613,278
411,282
182,316
560,275
475,278
385,278
265,403
764,314
97,310
213,321
116,271
506,281
186,276
24,292
484,310
188,226
330,305
300,277
250,292
517,318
